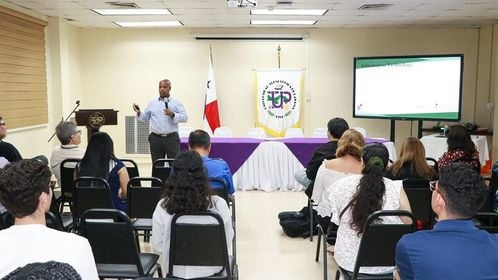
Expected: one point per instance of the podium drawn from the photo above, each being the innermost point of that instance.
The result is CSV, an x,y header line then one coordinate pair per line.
x,y
93,119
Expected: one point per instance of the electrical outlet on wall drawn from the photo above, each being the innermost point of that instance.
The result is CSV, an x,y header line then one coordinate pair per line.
x,y
490,106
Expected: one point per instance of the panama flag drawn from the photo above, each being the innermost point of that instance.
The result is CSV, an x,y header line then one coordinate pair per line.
x,y
211,114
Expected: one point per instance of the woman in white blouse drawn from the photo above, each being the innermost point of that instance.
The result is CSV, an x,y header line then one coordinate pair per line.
x,y
187,191
347,162
356,197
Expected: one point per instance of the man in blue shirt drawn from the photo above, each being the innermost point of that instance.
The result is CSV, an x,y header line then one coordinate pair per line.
x,y
200,142
163,115
454,249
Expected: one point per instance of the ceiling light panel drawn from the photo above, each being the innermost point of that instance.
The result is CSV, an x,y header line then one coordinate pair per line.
x,y
283,22
291,12
173,23
118,12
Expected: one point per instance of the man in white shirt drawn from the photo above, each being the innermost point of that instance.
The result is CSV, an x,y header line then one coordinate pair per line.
x,y
70,137
25,192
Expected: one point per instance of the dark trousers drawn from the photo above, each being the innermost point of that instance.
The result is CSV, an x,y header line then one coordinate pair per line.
x,y
160,146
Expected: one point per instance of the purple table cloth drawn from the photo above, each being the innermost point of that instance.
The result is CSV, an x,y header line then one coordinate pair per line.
x,y
304,147
234,150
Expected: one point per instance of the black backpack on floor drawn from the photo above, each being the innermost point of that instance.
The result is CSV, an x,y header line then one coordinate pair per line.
x,y
297,223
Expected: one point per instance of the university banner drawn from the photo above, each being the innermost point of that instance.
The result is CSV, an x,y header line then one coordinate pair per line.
x,y
278,100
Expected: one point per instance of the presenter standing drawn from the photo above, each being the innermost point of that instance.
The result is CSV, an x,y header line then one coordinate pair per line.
x,y
163,115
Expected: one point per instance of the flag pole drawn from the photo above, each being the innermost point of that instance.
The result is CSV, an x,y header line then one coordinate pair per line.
x,y
278,52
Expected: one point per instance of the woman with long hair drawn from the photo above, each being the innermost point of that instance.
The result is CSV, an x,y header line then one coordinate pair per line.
x,y
347,162
461,148
356,197
411,162
187,190
99,161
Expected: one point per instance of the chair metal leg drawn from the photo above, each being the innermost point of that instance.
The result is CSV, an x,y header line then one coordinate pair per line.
x,y
318,241
310,207
325,272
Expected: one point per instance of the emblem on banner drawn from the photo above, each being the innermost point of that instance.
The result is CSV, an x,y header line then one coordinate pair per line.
x,y
278,98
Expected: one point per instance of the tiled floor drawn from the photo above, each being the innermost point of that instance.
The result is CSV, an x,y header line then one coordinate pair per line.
x,y
263,250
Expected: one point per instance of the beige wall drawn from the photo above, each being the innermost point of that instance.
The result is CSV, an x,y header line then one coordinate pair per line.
x,y
112,68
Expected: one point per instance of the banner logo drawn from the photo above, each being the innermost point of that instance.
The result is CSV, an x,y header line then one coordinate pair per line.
x,y
278,98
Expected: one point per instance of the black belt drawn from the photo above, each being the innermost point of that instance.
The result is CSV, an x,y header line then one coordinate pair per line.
x,y
164,134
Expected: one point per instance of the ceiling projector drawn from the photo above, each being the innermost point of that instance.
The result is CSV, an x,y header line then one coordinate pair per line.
x,y
242,3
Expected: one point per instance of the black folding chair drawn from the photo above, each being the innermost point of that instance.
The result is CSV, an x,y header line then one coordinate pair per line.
x,y
161,168
220,188
200,244
55,219
487,221
230,199
490,201
67,167
143,194
419,195
378,244
111,237
433,164
131,167
90,192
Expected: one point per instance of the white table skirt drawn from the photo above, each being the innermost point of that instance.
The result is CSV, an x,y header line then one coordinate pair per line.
x,y
271,167
435,146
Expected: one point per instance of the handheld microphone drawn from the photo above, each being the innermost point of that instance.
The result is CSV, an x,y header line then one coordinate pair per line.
x,y
166,104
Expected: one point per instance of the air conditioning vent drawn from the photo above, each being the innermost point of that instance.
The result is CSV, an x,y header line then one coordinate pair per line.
x,y
123,5
380,6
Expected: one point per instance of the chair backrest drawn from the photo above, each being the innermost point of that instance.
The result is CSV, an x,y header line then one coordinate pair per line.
x,y
378,241
419,195
219,188
143,200
131,167
200,243
256,132
487,221
91,192
223,131
432,163
490,201
53,220
67,167
161,168
184,131
294,132
110,234
320,132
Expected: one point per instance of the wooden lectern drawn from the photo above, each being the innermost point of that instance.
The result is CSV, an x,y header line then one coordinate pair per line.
x,y
93,119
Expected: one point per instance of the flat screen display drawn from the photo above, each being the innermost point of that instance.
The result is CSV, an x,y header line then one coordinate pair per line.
x,y
408,87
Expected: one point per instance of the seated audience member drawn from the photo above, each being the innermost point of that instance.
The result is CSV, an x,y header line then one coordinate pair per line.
x,y
455,249
25,192
335,129
347,162
355,197
44,271
200,142
411,162
99,161
186,191
70,137
461,148
8,151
